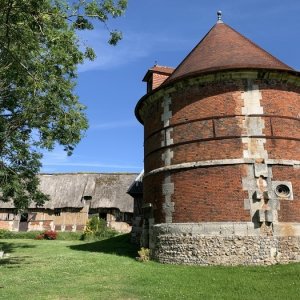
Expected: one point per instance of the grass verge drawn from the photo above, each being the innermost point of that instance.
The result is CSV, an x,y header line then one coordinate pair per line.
x,y
41,269
65,236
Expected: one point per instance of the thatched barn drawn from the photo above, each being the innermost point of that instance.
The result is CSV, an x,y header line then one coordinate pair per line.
x,y
74,197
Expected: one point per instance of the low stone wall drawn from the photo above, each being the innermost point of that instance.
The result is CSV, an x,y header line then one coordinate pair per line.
x,y
172,245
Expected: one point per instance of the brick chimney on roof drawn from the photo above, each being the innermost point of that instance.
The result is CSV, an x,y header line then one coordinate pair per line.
x,y
156,76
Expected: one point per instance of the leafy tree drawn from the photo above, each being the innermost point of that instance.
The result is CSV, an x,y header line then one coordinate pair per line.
x,y
39,54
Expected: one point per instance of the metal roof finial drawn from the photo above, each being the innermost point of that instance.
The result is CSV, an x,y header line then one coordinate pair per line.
x,y
219,14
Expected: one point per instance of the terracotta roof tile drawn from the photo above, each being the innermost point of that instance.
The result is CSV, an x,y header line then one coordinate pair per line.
x,y
224,48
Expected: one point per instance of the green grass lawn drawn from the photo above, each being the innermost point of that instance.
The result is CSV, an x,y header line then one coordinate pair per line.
x,y
41,269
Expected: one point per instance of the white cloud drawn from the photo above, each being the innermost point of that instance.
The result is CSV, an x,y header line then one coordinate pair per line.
x,y
132,47
58,159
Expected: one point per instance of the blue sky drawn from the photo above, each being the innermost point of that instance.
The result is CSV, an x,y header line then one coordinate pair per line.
x,y
162,31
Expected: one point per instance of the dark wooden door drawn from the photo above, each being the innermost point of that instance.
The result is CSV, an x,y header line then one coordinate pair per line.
x,y
23,225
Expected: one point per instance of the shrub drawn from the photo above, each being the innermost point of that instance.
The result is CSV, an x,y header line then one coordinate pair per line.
x,y
40,236
3,233
6,234
96,229
144,254
50,235
47,235
96,224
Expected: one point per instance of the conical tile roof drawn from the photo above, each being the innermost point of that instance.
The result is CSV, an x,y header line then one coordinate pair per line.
x,y
224,48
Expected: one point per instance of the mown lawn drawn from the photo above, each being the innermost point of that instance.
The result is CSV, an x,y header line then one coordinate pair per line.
x,y
40,269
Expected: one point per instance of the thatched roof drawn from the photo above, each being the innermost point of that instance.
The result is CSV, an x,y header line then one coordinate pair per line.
x,y
65,190
69,190
110,189
136,188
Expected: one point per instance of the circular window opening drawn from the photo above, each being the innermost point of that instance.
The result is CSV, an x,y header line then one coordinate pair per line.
x,y
282,190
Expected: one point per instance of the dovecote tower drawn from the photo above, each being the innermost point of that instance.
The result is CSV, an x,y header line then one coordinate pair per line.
x,y
222,155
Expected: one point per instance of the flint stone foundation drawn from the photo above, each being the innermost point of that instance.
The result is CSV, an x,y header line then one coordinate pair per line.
x,y
223,244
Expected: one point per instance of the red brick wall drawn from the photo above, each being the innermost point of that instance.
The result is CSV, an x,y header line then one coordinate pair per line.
x,y
201,195
215,149
209,194
289,209
205,102
197,151
278,101
283,149
207,125
5,225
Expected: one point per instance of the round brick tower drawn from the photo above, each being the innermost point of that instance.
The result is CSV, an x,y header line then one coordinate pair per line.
x,y
222,155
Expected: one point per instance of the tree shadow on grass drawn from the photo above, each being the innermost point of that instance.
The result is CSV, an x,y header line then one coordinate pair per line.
x,y
10,247
118,245
11,261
